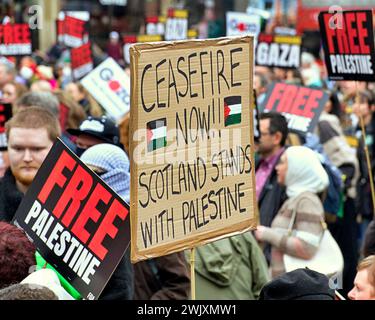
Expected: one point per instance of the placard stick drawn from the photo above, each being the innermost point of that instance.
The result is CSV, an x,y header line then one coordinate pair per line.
x,y
192,273
366,151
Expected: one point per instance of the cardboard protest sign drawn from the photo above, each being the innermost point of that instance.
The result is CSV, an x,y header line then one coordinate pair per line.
x,y
81,61
71,30
176,25
348,42
155,25
301,106
131,39
280,51
79,225
110,86
5,115
191,129
239,23
15,39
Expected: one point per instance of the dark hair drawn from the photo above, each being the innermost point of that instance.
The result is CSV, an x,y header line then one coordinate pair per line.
x,y
17,254
26,291
278,123
262,78
336,105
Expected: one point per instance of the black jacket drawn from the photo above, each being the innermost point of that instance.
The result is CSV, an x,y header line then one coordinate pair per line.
x,y
10,197
162,278
270,200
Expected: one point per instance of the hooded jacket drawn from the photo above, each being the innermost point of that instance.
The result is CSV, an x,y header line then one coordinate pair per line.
x,y
232,268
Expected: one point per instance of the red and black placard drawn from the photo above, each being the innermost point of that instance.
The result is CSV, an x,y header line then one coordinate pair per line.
x,y
15,39
301,106
81,61
78,224
348,43
71,31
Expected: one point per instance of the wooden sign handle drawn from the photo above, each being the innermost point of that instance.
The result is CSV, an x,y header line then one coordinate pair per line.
x,y
192,273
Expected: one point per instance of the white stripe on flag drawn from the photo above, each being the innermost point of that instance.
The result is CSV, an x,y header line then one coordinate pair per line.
x,y
159,133
234,109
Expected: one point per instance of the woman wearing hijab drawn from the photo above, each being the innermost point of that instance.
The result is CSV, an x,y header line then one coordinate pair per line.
x,y
301,172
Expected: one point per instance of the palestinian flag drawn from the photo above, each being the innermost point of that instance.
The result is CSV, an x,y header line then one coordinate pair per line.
x,y
156,134
232,110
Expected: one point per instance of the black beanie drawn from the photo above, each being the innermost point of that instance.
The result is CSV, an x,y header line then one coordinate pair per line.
x,y
300,284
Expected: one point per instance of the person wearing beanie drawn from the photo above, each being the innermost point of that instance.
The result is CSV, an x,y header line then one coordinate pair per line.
x,y
299,284
112,165
300,170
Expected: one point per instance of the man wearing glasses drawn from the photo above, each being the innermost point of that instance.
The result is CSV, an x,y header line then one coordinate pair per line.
x,y
270,195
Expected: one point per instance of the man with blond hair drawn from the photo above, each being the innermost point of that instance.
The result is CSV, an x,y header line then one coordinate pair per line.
x,y
31,133
364,282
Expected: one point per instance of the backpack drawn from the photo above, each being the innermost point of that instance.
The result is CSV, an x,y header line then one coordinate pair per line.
x,y
334,196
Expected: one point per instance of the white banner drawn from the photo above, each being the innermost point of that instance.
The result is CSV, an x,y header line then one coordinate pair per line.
x,y
110,86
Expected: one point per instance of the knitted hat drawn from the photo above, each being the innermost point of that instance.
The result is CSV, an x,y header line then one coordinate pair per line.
x,y
300,284
114,161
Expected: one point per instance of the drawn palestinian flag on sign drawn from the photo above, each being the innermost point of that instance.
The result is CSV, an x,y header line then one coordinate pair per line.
x,y
156,134
232,110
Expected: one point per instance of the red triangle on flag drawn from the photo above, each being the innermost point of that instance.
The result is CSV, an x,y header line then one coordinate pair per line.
x,y
149,135
226,110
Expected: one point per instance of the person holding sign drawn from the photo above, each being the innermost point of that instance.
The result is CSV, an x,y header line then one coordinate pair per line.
x,y
31,134
111,164
300,170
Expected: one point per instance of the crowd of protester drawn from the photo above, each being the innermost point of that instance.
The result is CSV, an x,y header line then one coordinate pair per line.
x,y
290,177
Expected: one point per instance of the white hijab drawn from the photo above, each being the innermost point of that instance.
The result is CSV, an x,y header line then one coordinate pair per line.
x,y
305,172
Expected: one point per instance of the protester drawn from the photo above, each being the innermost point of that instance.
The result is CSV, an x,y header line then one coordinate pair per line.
x,y
300,284
44,100
94,131
364,283
344,158
112,165
232,268
301,172
71,113
114,47
364,107
78,92
41,86
271,146
31,134
12,91
16,255
162,278
7,72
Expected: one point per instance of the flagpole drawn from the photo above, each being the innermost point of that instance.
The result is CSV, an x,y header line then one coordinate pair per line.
x,y
192,273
